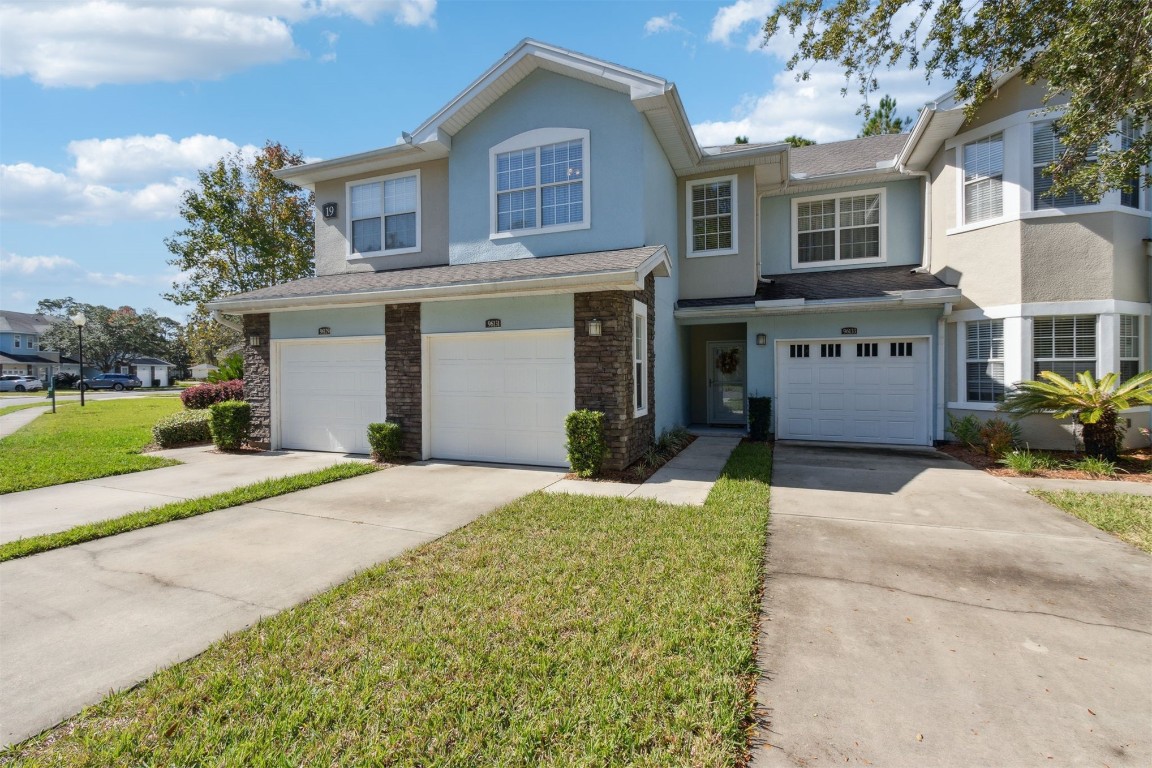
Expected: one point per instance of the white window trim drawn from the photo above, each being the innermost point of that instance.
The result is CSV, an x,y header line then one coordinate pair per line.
x,y
640,313
838,262
353,256
1005,189
529,140
962,360
688,185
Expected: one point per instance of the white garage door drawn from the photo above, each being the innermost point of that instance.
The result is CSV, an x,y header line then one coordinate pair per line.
x,y
501,397
858,391
330,391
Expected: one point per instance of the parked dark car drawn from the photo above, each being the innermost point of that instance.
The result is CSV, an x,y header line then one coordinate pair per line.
x,y
116,381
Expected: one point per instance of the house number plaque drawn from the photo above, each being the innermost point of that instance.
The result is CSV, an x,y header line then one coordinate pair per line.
x,y
492,323
848,331
325,331
329,210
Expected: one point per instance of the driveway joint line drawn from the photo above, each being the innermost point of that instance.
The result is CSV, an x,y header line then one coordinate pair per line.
x,y
1095,537
350,522
887,588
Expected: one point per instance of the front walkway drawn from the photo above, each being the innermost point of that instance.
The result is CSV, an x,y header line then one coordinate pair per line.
x,y
84,620
919,612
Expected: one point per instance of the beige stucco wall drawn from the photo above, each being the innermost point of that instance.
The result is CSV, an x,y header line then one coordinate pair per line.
x,y
1016,95
1085,256
710,277
332,234
1049,434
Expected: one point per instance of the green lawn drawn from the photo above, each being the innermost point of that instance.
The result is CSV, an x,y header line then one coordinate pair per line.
x,y
178,510
1126,515
103,438
556,631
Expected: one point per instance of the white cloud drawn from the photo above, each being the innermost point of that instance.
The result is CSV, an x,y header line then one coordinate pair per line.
x,y
144,158
659,24
733,18
15,264
92,42
112,280
812,108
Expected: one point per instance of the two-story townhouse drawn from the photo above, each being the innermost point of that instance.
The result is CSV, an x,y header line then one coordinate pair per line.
x,y
555,238
1048,283
21,352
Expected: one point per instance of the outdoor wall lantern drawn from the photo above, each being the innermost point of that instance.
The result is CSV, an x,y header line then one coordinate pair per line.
x,y
761,339
594,327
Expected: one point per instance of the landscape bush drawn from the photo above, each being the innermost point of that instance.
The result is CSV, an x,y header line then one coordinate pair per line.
x,y
384,437
1028,462
230,422
181,428
586,446
998,436
203,395
759,418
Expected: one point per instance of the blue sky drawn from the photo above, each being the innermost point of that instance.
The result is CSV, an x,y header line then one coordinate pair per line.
x,y
108,107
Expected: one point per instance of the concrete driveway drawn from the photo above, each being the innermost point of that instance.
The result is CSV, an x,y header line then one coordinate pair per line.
x,y
923,613
78,622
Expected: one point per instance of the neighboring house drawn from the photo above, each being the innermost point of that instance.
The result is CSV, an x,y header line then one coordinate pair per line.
x,y
200,371
152,371
20,350
554,238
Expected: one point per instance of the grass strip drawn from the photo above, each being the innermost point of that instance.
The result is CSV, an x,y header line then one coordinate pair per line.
x,y
1126,515
178,510
13,408
101,439
556,631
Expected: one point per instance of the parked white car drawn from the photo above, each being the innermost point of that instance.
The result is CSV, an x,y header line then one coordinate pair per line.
x,y
12,383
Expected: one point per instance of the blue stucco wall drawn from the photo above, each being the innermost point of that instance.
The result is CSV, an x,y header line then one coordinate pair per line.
x,y
515,314
8,343
350,321
548,100
904,219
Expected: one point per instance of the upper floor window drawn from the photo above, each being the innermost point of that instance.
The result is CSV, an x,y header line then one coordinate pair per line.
x,y
1047,149
984,179
712,217
984,361
1129,132
1129,346
540,182
384,215
844,228
1065,345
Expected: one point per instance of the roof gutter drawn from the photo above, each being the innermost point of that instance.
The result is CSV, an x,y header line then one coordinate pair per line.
x,y
896,300
218,316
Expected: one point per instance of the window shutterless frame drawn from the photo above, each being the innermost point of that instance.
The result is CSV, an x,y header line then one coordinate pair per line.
x,y
541,182
842,220
397,208
711,205
639,358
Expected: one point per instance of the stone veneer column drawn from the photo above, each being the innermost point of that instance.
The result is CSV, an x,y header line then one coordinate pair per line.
x,y
404,380
605,378
258,379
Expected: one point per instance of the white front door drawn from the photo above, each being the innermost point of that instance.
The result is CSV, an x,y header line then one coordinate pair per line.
x,y
329,392
727,383
854,390
500,396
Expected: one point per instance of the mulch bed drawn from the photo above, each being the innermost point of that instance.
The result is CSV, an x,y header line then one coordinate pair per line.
x,y
1132,467
638,472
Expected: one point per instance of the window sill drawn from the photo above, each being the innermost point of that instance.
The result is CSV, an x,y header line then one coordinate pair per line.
x,y
836,263
965,406
979,225
379,254
539,231
1081,209
706,254
639,414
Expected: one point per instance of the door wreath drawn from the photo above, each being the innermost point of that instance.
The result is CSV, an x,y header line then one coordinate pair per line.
x,y
728,361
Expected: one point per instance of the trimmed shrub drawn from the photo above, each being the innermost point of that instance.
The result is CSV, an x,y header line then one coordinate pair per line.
x,y
384,437
586,447
229,422
999,436
181,428
759,418
204,395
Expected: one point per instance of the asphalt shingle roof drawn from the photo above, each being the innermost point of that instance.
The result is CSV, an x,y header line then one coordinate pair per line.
x,y
844,156
597,262
862,283
23,322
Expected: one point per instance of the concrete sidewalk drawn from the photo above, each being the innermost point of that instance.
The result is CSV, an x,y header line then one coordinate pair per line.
x,y
10,422
919,612
686,479
205,471
1081,486
84,620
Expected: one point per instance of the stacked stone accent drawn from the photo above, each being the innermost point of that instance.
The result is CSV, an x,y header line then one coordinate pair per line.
x,y
605,379
258,379
403,365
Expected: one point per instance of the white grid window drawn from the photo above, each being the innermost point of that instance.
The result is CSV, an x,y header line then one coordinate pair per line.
x,y
834,229
540,187
640,357
1129,346
16,341
984,179
984,361
713,215
384,215
1047,149
1129,132
1065,345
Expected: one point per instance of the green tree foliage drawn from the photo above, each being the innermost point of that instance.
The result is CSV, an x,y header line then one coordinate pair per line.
x,y
111,336
246,229
231,369
1092,56
741,139
883,120
798,141
1094,404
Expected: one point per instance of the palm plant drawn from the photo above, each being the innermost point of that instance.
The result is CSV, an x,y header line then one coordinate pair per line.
x,y
1093,403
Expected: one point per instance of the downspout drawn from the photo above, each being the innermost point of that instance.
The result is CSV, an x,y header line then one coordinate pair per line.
x,y
941,348
218,316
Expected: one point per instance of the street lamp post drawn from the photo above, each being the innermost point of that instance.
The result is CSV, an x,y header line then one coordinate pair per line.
x,y
80,321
